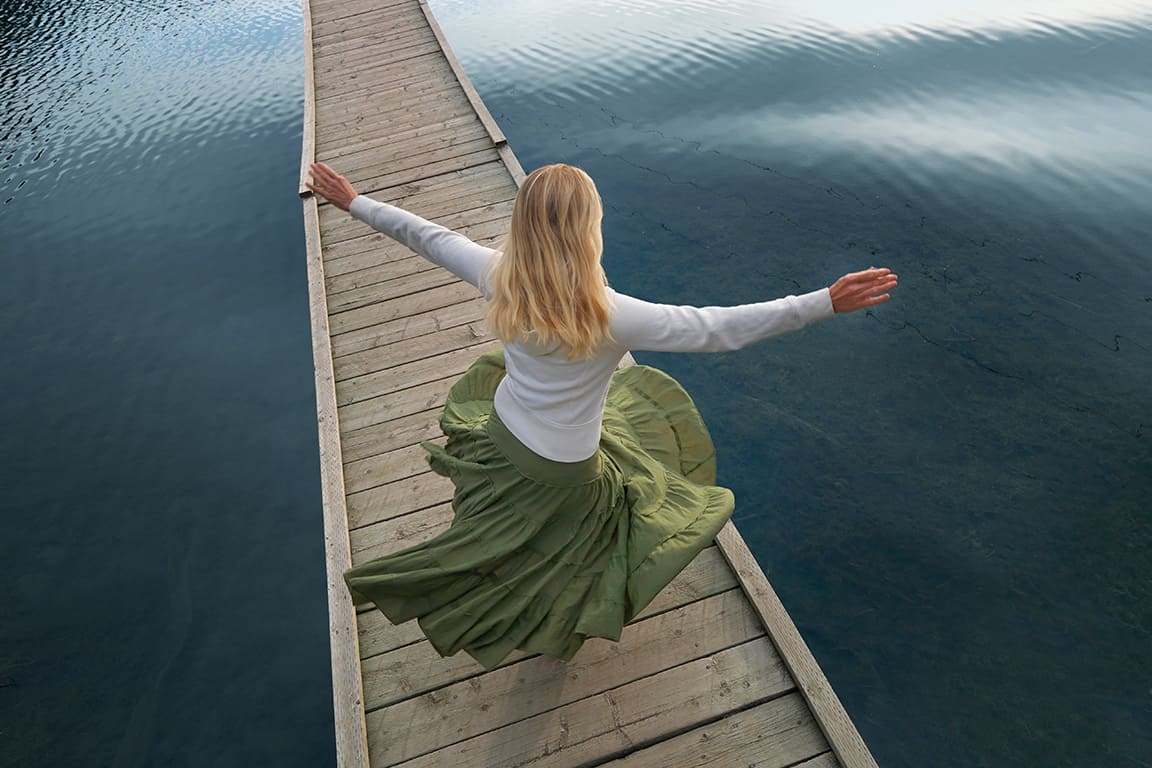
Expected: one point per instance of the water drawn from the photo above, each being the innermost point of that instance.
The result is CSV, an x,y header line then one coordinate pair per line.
x,y
161,549
949,492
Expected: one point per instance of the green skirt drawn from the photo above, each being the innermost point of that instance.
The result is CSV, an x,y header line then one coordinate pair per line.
x,y
542,555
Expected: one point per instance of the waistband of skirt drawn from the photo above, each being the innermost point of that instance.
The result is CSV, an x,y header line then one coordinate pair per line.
x,y
536,467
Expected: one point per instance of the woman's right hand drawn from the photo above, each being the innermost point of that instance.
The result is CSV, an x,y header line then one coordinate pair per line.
x,y
858,290
331,186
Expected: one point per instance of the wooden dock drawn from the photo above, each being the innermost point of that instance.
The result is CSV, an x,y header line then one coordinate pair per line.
x,y
713,673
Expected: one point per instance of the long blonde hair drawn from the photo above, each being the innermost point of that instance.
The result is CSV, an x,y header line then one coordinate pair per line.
x,y
548,285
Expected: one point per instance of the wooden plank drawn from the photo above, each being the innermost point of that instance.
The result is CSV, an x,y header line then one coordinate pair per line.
x,y
413,341
428,77
373,269
335,9
366,42
598,728
378,635
522,689
452,309
366,52
390,289
364,49
431,198
351,40
512,164
366,128
392,97
361,41
472,335
406,71
399,113
426,70
775,734
443,193
422,148
377,275
377,62
350,27
391,536
718,683
381,410
383,249
454,161
655,644
416,304
347,692
841,733
441,297
384,112
379,77
374,261
374,265
411,73
476,203
379,18
384,468
389,436
344,82
438,156
421,491
393,342
383,141
422,75
410,370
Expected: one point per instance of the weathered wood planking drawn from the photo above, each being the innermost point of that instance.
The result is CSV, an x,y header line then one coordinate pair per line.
x,y
706,675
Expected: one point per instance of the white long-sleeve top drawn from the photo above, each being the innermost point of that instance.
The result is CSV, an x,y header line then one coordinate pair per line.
x,y
554,404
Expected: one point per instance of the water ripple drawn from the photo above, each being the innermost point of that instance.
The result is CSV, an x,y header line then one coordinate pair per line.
x,y
1006,92
117,89
599,46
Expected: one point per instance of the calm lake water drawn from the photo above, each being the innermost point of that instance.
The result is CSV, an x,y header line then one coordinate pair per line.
x,y
951,493
162,596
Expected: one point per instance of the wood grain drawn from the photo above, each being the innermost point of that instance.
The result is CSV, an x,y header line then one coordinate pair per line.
x,y
526,687
347,688
775,734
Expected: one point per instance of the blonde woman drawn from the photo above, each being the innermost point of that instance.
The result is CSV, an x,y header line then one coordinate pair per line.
x,y
581,491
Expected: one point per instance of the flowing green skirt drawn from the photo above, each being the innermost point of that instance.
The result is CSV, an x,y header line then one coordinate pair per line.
x,y
542,555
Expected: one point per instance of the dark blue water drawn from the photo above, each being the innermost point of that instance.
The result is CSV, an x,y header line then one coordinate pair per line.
x,y
950,492
161,550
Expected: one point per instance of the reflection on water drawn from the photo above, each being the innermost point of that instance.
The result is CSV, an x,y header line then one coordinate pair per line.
x,y
161,566
950,492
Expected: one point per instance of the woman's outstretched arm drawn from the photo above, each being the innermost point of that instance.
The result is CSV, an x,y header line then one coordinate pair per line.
x,y
440,245
641,325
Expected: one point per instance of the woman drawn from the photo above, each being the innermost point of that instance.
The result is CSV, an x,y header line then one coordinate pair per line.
x,y
581,491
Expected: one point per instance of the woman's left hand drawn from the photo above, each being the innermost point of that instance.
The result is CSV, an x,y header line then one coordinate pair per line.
x,y
331,186
862,289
